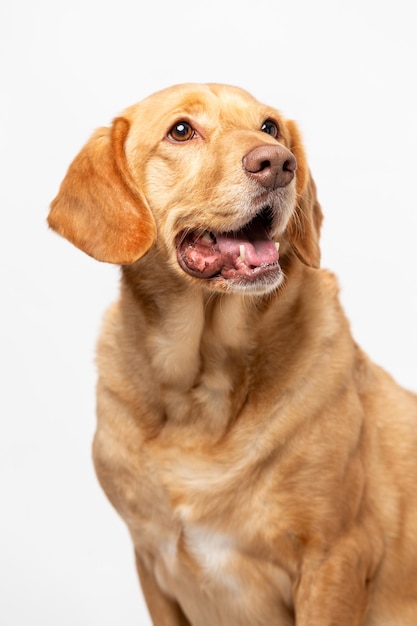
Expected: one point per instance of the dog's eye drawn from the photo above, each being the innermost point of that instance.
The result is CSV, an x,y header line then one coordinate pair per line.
x,y
270,128
181,131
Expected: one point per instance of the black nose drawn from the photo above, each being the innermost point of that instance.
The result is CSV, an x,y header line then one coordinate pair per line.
x,y
271,166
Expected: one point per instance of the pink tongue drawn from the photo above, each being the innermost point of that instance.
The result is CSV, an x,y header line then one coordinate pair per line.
x,y
259,251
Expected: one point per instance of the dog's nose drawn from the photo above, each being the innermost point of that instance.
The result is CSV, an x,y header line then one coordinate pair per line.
x,y
271,166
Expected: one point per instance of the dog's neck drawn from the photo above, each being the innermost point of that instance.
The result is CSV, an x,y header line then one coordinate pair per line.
x,y
205,353
198,345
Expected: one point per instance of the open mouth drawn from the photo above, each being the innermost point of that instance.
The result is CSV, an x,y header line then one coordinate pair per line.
x,y
245,254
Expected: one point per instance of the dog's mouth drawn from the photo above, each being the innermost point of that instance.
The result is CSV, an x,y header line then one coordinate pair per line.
x,y
245,254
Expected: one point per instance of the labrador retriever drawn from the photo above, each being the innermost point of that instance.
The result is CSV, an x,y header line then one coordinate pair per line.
x,y
265,467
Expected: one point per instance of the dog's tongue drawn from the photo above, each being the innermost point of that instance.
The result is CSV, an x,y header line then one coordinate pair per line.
x,y
258,250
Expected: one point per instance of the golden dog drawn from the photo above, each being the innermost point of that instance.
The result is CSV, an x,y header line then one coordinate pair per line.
x,y
265,468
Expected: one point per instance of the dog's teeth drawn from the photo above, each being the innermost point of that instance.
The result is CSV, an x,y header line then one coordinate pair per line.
x,y
242,252
277,245
207,237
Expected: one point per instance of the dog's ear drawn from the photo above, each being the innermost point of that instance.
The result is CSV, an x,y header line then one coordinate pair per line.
x,y
304,226
99,208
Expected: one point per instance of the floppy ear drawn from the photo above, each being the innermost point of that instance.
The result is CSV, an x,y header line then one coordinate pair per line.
x,y
98,207
304,226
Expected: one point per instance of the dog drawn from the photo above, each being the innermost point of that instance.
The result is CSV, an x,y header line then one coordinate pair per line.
x,y
266,469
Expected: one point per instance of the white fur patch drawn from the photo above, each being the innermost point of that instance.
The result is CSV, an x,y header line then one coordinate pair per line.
x,y
212,550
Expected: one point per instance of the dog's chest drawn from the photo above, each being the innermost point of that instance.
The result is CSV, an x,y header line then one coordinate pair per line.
x,y
215,583
204,553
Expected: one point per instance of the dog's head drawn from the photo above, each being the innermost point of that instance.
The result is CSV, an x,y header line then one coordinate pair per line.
x,y
207,175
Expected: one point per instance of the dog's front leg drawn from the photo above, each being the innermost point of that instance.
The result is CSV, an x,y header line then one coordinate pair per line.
x,y
333,590
163,610
326,605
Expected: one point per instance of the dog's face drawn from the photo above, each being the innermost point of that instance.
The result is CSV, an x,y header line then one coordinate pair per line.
x,y
213,179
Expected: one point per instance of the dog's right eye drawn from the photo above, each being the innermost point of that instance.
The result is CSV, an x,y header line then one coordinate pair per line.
x,y
181,131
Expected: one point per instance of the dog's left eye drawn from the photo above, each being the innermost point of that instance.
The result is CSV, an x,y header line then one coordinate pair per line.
x,y
181,131
270,128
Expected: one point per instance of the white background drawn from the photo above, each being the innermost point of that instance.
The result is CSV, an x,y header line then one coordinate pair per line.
x,y
345,70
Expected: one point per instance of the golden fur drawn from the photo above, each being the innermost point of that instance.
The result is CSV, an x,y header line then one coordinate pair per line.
x,y
265,468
